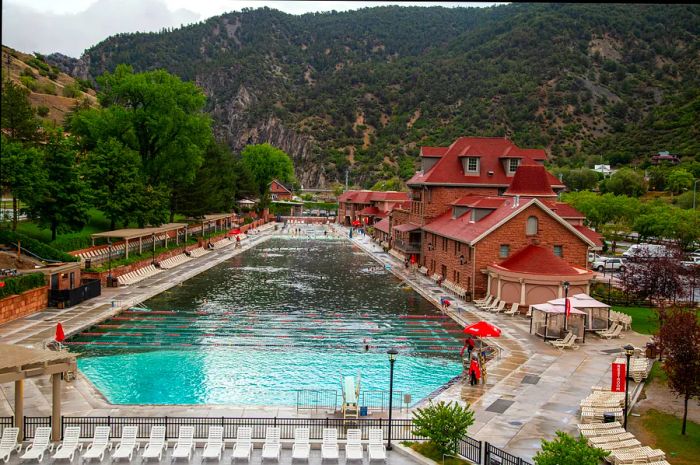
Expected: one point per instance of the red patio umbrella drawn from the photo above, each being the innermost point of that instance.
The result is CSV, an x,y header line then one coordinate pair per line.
x,y
234,232
356,223
483,329
413,259
60,336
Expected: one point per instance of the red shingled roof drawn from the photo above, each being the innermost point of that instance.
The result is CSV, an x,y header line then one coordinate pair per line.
x,y
383,225
491,151
369,211
371,196
563,209
531,181
433,152
539,260
479,201
590,234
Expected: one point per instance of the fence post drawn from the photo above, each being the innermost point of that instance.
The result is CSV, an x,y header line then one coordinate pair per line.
x,y
486,452
166,427
61,427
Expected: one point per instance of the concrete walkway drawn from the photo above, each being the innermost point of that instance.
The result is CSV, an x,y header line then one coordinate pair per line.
x,y
532,390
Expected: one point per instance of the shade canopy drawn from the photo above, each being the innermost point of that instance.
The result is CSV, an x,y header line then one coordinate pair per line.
x,y
549,307
483,329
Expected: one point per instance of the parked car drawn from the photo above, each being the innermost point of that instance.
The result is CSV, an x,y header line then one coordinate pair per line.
x,y
693,260
608,264
646,251
592,256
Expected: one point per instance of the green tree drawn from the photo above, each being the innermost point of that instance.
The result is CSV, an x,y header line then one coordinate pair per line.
x,y
61,204
565,450
679,180
393,184
20,174
625,181
157,115
18,119
445,424
113,172
579,179
266,163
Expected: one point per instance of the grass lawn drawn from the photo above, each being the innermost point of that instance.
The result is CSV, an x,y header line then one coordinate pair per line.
x,y
644,319
665,433
427,449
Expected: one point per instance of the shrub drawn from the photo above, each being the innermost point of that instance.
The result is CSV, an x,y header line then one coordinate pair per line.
x,y
68,243
21,283
565,450
445,424
42,110
71,90
46,88
28,82
36,247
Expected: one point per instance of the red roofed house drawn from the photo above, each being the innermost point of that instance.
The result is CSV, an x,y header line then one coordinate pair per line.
x,y
484,214
279,191
367,206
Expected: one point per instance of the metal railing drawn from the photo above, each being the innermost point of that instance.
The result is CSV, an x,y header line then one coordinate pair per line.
x,y
315,399
378,401
32,423
470,449
6,422
503,457
330,399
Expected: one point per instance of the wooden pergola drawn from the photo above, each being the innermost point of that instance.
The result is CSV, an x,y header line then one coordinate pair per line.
x,y
140,233
18,363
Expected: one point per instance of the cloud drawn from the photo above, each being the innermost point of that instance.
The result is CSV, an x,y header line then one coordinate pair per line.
x,y
28,30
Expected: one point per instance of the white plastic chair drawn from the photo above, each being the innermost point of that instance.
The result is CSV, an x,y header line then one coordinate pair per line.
x,y
271,447
41,442
301,449
376,448
156,444
71,442
243,448
353,446
184,445
215,444
100,443
329,447
127,444
8,443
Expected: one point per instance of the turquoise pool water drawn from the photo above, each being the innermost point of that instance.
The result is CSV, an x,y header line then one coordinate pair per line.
x,y
287,315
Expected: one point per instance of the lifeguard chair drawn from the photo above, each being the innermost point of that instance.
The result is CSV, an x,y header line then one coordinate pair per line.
x,y
351,396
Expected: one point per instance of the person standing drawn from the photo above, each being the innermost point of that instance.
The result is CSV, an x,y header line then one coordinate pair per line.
x,y
468,346
474,372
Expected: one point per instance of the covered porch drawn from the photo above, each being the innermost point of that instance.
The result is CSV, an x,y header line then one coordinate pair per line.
x,y
147,236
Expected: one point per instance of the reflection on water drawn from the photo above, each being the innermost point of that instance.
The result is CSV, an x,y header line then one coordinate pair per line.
x,y
291,315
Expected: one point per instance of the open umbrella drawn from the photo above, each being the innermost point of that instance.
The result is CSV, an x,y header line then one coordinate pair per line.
x,y
413,259
483,329
60,336
233,232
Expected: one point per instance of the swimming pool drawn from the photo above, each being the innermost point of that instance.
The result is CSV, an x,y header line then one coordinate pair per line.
x,y
287,315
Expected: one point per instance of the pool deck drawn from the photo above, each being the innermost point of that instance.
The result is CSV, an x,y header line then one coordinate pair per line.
x,y
531,390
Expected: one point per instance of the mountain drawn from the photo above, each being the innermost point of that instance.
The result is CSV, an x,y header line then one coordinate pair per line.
x,y
51,92
362,90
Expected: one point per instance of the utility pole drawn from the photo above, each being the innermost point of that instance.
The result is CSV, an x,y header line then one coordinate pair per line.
x,y
347,172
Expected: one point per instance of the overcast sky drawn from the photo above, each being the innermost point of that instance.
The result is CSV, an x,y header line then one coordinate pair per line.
x,y
71,26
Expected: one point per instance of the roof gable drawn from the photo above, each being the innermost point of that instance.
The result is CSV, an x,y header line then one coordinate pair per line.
x,y
530,181
535,259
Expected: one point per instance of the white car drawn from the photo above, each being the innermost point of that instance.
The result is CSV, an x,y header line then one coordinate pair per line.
x,y
608,264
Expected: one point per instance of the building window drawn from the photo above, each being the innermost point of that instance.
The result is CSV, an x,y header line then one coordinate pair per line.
x,y
531,228
444,244
504,251
471,165
513,164
559,250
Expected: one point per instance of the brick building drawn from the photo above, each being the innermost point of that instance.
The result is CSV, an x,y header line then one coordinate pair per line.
x,y
279,191
477,204
367,207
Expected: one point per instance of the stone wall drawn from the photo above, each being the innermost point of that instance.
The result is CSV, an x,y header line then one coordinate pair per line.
x,y
26,303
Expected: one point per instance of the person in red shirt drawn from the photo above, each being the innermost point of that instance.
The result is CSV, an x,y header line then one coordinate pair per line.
x,y
474,372
468,346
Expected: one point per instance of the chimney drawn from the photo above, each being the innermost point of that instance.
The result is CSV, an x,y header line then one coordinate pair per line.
x,y
516,201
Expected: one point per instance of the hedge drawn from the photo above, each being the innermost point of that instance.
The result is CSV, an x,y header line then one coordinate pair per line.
x,y
36,247
21,283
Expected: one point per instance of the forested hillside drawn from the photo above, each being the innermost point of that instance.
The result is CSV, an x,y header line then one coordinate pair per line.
x,y
360,91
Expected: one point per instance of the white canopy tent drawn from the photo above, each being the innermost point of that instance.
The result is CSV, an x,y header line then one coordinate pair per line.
x,y
598,313
548,320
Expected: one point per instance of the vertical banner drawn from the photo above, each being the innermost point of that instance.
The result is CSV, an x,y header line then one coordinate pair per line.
x,y
618,377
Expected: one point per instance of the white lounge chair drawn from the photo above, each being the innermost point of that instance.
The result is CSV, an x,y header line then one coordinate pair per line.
x,y
156,444
513,310
329,447
494,304
8,443
301,447
243,448
127,444
215,444
617,332
41,442
184,445
100,443
487,303
498,308
71,442
376,448
271,448
353,446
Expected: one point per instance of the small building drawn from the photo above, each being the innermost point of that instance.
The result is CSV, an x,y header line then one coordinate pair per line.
x,y
368,207
279,191
605,170
665,158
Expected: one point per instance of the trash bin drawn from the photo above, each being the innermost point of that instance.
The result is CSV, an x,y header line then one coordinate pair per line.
x,y
363,411
651,350
608,417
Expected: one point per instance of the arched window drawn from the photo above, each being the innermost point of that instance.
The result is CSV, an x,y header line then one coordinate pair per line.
x,y
531,228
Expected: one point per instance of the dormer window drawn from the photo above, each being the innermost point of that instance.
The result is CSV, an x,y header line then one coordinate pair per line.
x,y
513,164
471,165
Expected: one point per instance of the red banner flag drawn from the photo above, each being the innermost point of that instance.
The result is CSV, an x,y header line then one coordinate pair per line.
x,y
619,371
567,307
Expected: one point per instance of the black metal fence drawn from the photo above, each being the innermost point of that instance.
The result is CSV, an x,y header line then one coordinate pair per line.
x,y
330,399
317,399
69,297
470,449
495,456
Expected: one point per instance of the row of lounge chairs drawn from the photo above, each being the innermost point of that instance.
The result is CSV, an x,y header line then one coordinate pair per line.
x,y
134,277
117,249
185,445
172,262
615,330
495,305
459,291
639,367
621,319
624,448
567,342
599,403
223,243
198,252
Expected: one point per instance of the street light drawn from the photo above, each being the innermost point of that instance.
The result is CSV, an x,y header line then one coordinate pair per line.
x,y
392,358
565,285
153,250
629,351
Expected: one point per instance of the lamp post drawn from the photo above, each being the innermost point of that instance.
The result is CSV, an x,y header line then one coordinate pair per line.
x,y
392,358
109,265
565,285
153,250
629,351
